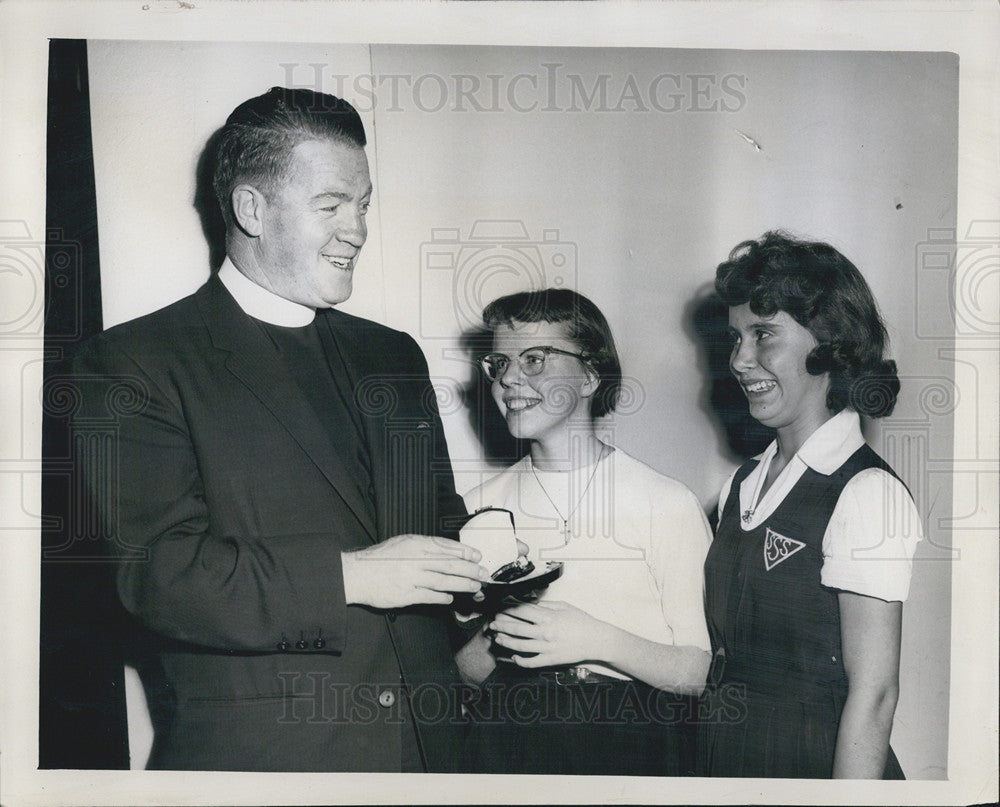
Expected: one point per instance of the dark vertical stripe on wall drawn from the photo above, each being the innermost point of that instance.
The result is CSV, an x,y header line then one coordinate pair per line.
x,y
81,687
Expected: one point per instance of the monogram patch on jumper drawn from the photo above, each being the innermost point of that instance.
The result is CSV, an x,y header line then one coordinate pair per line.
x,y
778,548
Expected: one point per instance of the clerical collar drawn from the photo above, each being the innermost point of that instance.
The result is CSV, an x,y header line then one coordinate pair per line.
x,y
259,303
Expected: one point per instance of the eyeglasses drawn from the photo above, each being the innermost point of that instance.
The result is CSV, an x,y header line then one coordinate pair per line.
x,y
531,361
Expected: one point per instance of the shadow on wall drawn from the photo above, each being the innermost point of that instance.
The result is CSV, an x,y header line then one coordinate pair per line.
x,y
207,206
740,436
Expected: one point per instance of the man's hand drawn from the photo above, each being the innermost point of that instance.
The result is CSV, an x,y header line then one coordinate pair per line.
x,y
411,570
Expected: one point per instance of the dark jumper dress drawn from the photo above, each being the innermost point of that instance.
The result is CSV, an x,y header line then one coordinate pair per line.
x,y
777,685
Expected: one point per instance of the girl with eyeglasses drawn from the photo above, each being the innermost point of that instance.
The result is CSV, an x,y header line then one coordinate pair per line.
x,y
598,674
811,561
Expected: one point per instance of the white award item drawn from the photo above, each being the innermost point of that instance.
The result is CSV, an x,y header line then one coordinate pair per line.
x,y
491,531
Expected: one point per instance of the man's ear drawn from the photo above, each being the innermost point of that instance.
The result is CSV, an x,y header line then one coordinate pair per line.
x,y
248,209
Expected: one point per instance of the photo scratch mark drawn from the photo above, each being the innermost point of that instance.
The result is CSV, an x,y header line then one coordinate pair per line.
x,y
169,6
749,139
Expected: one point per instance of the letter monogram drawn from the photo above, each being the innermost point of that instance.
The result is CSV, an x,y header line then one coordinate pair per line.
x,y
778,548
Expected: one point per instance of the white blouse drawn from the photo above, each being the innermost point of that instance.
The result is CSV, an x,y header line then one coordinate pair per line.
x,y
635,549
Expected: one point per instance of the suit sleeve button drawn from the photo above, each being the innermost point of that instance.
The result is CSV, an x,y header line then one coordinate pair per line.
x,y
284,646
319,644
386,698
302,644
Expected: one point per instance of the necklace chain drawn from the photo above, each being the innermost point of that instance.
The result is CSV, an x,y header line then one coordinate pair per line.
x,y
569,515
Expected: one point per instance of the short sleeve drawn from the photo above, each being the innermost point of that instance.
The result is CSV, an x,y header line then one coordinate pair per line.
x,y
872,535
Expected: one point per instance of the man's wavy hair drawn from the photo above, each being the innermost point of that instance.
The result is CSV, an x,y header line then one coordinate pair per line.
x,y
586,326
255,146
825,293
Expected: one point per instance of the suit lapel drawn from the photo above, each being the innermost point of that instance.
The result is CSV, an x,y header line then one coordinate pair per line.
x,y
356,355
252,360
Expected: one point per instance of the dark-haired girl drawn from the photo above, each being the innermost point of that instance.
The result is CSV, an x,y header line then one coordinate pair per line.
x,y
811,562
598,675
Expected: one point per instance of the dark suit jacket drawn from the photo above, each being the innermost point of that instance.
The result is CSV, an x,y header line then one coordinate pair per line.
x,y
228,506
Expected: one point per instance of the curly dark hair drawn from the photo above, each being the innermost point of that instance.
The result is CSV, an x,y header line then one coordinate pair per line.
x,y
255,145
825,293
587,327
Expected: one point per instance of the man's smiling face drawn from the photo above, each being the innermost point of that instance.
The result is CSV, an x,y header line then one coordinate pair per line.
x,y
313,224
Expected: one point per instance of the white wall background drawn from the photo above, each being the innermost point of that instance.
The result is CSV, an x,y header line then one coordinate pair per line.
x,y
855,148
